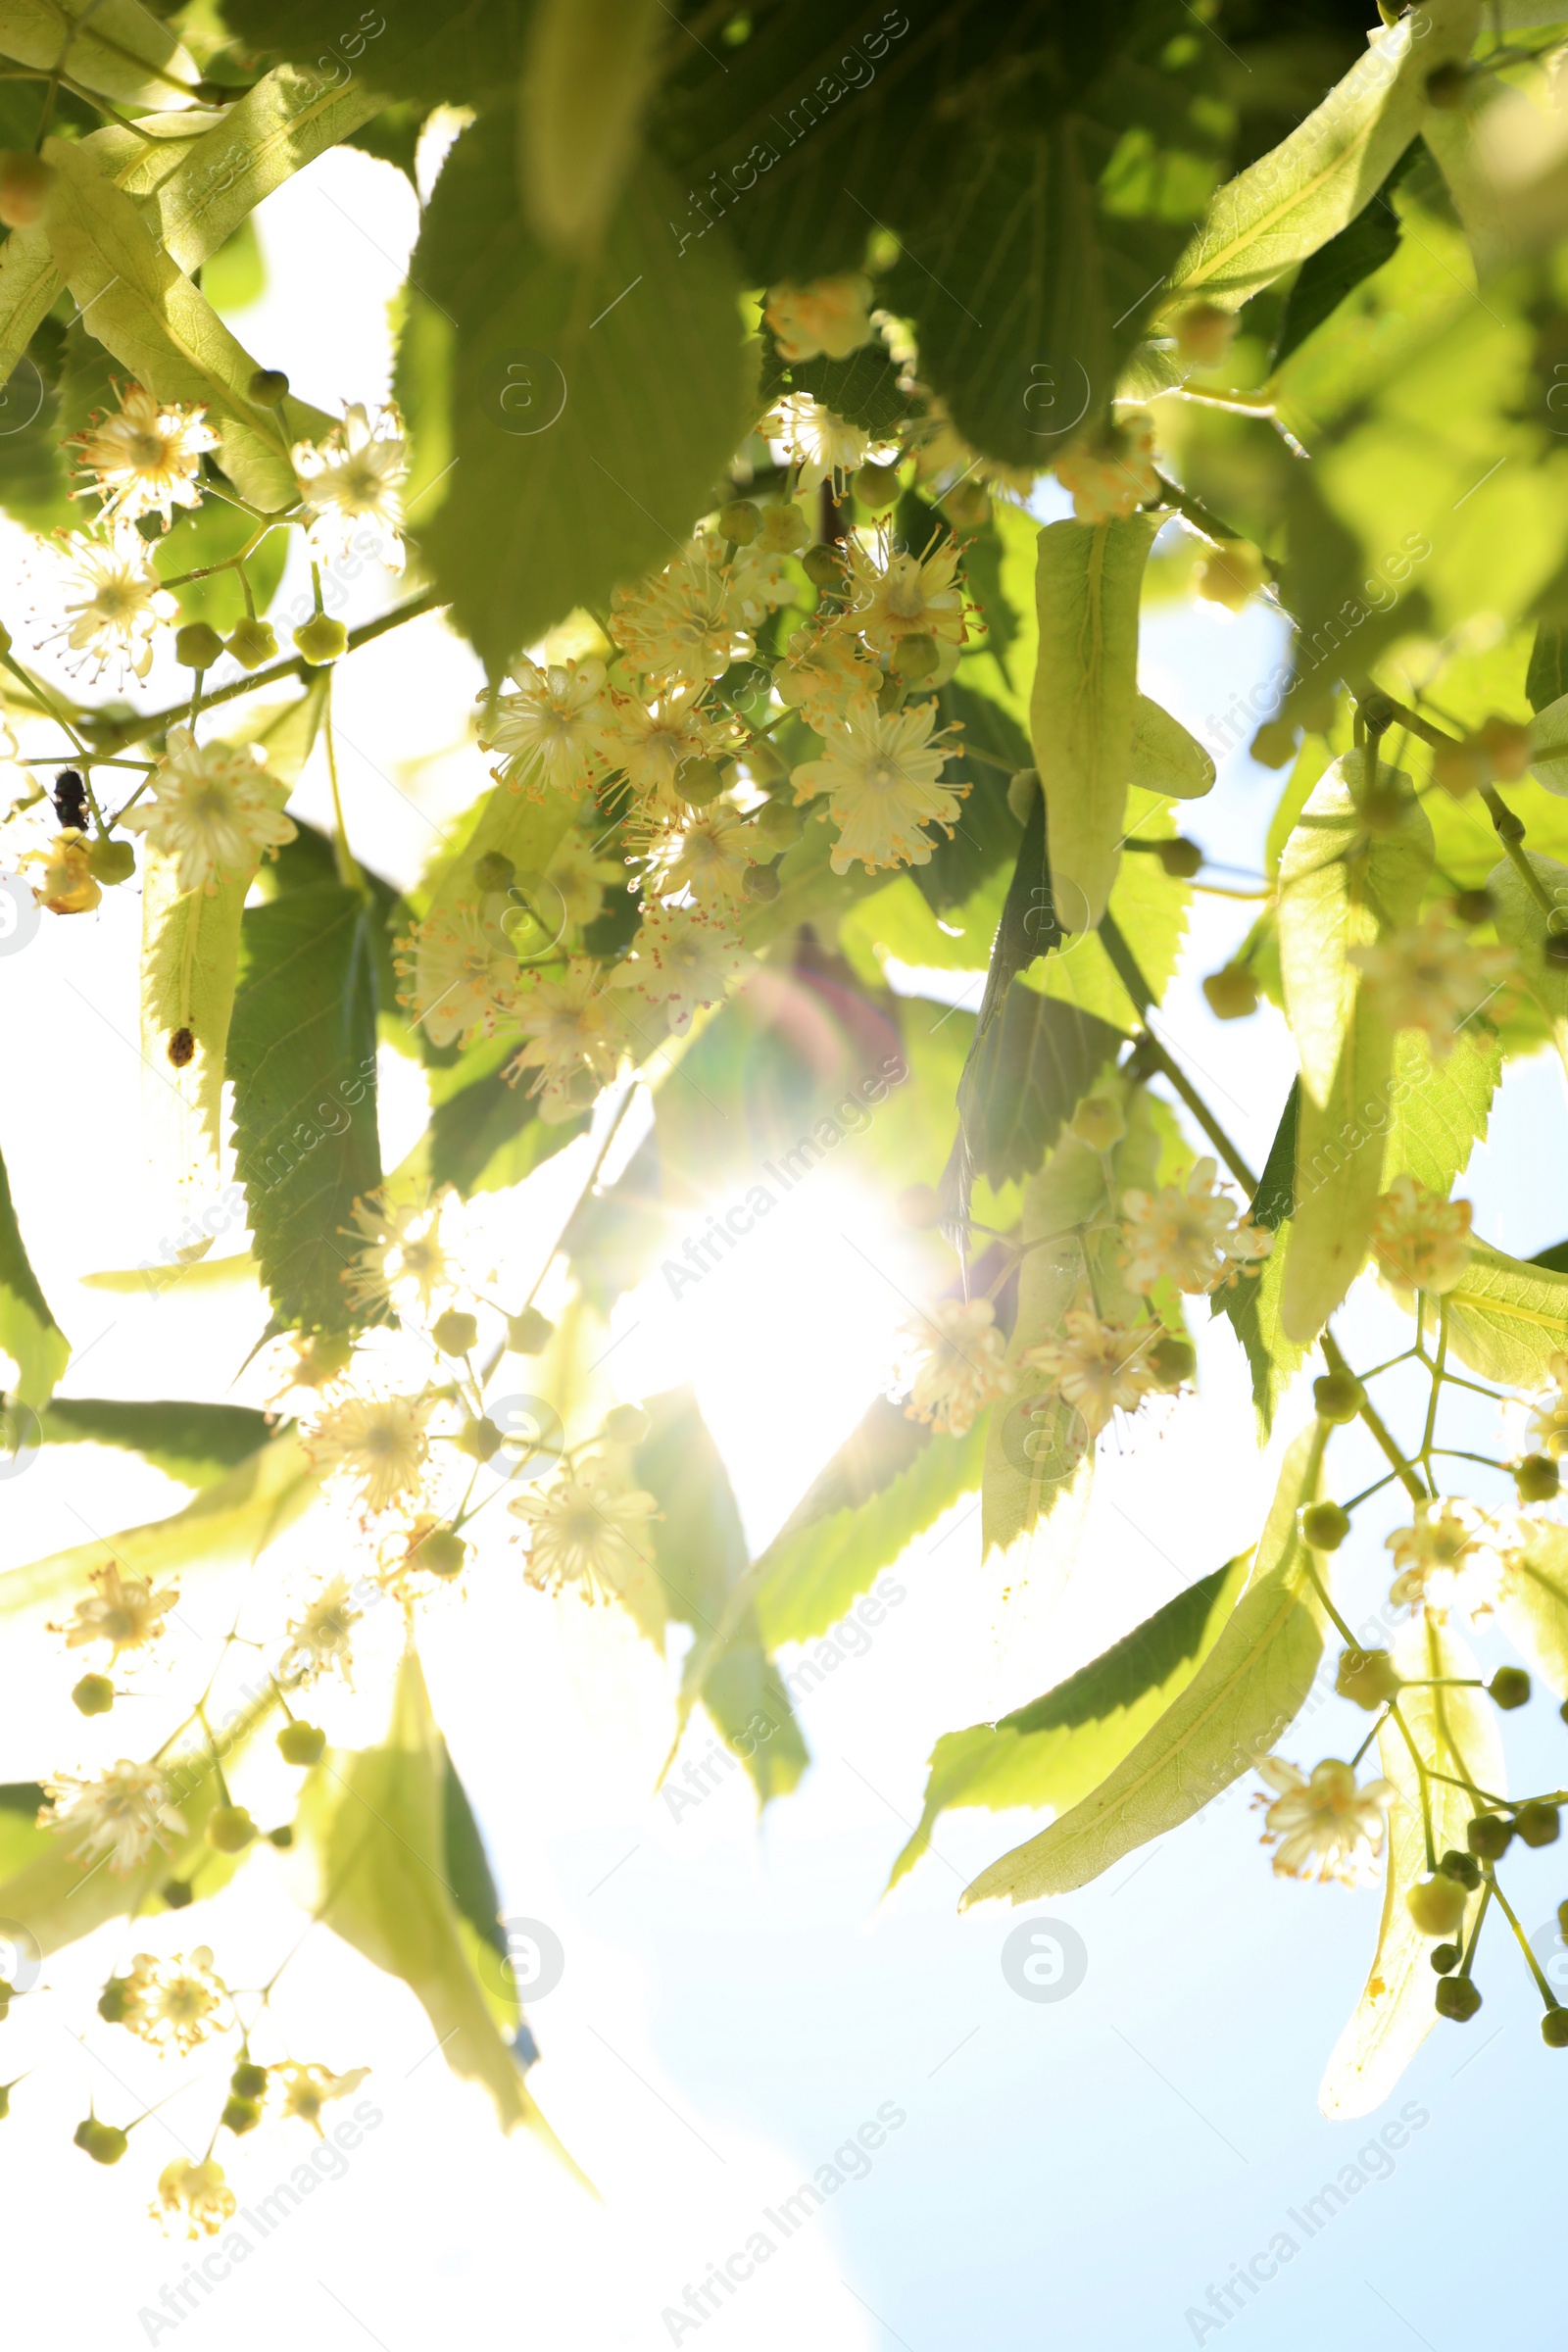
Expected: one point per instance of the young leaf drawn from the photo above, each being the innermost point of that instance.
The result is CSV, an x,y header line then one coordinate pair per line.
x,y
1440,1109
272,130
1082,709
889,1479
1166,759
302,1058
196,1442
1340,888
594,401
1248,1688
115,48
233,1519
1456,1732
1507,1320
1027,1073
377,1818
1535,1604
1057,1749
1254,1308
1314,184
29,1332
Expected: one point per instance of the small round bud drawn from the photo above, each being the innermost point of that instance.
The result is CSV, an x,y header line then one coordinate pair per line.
x,y
1383,809
1274,744
740,521
113,2002
823,566
1366,1676
916,656
1437,1905
1506,745
1180,858
1230,575
1172,1360
322,641
455,1333
1536,1478
1473,906
530,1333
1203,333
1509,1688
1232,993
891,693
1457,1998
626,1425
1488,1835
94,1695
762,883
252,642
1099,1122
197,646
1325,1525
248,2081
1338,1396
967,507
1444,1957
494,871
1463,1869
440,1554
1538,1824
480,1440
230,1829
698,782
110,860
177,1893
1461,769
301,1743
105,2143
282,1838
25,180
877,486
1555,2028
1448,85
919,1205
268,386
1377,712
779,825
1022,788
240,2116
785,530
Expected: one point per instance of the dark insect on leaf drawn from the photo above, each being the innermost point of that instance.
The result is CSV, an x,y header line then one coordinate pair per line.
x,y
181,1048
70,797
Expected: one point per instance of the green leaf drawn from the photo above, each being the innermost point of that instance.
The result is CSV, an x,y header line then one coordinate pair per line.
x,y
233,1519
1253,1306
1030,1068
1248,1688
114,47
281,124
462,50
1338,267
1147,907
1507,1320
29,1332
1057,1749
1523,925
862,389
1340,889
1546,679
1440,1109
1456,1731
1315,182
377,1818
889,1479
985,839
1166,759
701,1558
1535,1604
302,1058
484,1134
196,1442
634,363
136,301
1081,712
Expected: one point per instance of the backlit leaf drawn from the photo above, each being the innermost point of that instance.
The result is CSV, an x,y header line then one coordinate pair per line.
x,y
29,1332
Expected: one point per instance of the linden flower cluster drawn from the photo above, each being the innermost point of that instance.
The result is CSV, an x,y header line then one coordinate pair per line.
x,y
1190,1235
125,1612
351,484
586,1532
1421,1241
951,1364
1099,1367
213,808
171,2003
118,1816
1324,1827
1454,1561
1110,478
1433,977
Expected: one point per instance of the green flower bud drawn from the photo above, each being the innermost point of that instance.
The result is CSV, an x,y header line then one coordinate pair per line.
x,y
25,182
877,486
301,1743
322,641
1437,1905
530,1333
1509,1687
283,1837
253,642
1338,1396
784,530
240,2116
1473,906
1555,2028
248,2081
1325,1525
739,521
230,1829
1488,1837
698,782
176,1893
268,386
479,1439
441,1552
105,2143
626,1423
110,860
1536,1478
1099,1121
1537,1824
493,871
455,1333
1172,1360
1444,1957
1464,1868
112,2001
1274,744
1232,993
916,656
197,646
94,1695
1457,1998
1180,858
762,883
779,825
823,566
